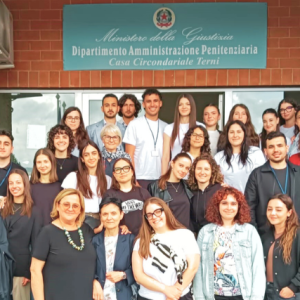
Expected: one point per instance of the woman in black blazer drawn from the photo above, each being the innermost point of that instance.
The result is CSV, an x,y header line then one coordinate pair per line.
x,y
114,277
23,223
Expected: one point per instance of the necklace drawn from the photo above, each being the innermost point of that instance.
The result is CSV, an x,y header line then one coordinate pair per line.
x,y
71,242
175,187
61,165
15,210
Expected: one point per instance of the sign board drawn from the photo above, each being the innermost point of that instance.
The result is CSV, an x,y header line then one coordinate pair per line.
x,y
164,37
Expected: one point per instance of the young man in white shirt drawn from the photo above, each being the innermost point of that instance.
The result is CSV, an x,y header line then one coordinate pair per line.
x,y
110,108
211,116
129,108
144,139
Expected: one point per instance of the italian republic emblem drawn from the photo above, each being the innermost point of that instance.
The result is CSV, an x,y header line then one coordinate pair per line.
x,y
164,18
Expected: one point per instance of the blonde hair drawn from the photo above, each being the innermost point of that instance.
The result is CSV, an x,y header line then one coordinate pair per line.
x,y
111,128
64,193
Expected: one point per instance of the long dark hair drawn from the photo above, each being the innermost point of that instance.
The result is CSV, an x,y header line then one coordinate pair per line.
x,y
244,147
251,134
291,227
192,116
263,134
27,203
286,100
162,182
297,129
186,144
81,133
114,183
35,174
83,178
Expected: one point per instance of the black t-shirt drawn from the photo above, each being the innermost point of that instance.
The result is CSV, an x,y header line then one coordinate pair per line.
x,y
132,206
64,166
43,195
180,205
68,273
3,173
281,175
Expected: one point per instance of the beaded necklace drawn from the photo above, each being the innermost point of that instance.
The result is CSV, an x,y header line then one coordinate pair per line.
x,y
71,242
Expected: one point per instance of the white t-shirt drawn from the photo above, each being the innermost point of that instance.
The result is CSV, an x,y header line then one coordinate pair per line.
x,y
183,128
91,205
213,139
237,175
139,135
181,240
288,132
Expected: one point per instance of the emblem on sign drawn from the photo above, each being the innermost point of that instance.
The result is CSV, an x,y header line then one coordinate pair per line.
x,y
164,18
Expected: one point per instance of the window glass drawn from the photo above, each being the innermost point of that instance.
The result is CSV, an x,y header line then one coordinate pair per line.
x,y
32,118
257,102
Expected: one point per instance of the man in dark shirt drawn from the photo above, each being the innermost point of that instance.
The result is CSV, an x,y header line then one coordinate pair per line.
x,y
277,175
6,165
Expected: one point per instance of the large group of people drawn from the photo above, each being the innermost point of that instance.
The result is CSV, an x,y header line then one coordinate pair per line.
x,y
141,209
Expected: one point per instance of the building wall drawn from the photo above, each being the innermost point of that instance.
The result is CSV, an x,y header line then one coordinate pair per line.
x,y
38,52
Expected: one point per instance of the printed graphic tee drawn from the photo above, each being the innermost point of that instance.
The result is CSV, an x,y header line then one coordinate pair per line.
x,y
132,206
226,281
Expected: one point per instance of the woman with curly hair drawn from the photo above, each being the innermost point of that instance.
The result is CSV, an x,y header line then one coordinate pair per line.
x,y
61,142
232,261
238,159
171,188
239,112
281,245
73,119
205,179
196,142
184,119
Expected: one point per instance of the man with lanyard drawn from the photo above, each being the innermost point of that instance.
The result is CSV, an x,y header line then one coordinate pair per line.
x,y
144,139
6,165
110,108
277,175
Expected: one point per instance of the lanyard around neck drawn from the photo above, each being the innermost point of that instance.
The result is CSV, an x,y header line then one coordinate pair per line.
x,y
7,173
284,191
154,139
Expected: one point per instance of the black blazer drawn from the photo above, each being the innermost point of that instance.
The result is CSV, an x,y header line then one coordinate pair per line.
x,y
122,263
21,234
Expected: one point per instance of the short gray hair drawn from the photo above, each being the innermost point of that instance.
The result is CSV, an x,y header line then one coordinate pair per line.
x,y
111,128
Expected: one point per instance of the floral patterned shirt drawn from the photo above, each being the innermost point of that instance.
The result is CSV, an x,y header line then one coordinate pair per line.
x,y
110,243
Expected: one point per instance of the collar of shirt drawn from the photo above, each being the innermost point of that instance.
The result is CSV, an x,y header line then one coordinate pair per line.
x,y
6,167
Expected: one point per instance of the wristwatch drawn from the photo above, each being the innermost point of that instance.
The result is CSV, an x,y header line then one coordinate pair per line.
x,y
124,276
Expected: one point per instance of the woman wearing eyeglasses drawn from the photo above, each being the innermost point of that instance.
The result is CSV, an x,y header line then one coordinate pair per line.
x,y
196,142
132,196
174,190
112,138
73,119
165,257
287,116
90,180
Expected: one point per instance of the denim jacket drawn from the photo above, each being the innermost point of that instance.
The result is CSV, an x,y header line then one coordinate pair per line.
x,y
249,259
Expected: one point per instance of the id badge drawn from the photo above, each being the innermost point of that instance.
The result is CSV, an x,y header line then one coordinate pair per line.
x,y
154,153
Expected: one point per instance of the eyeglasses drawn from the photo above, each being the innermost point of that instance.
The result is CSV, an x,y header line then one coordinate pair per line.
x,y
125,169
72,118
67,205
197,136
157,213
287,109
114,138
